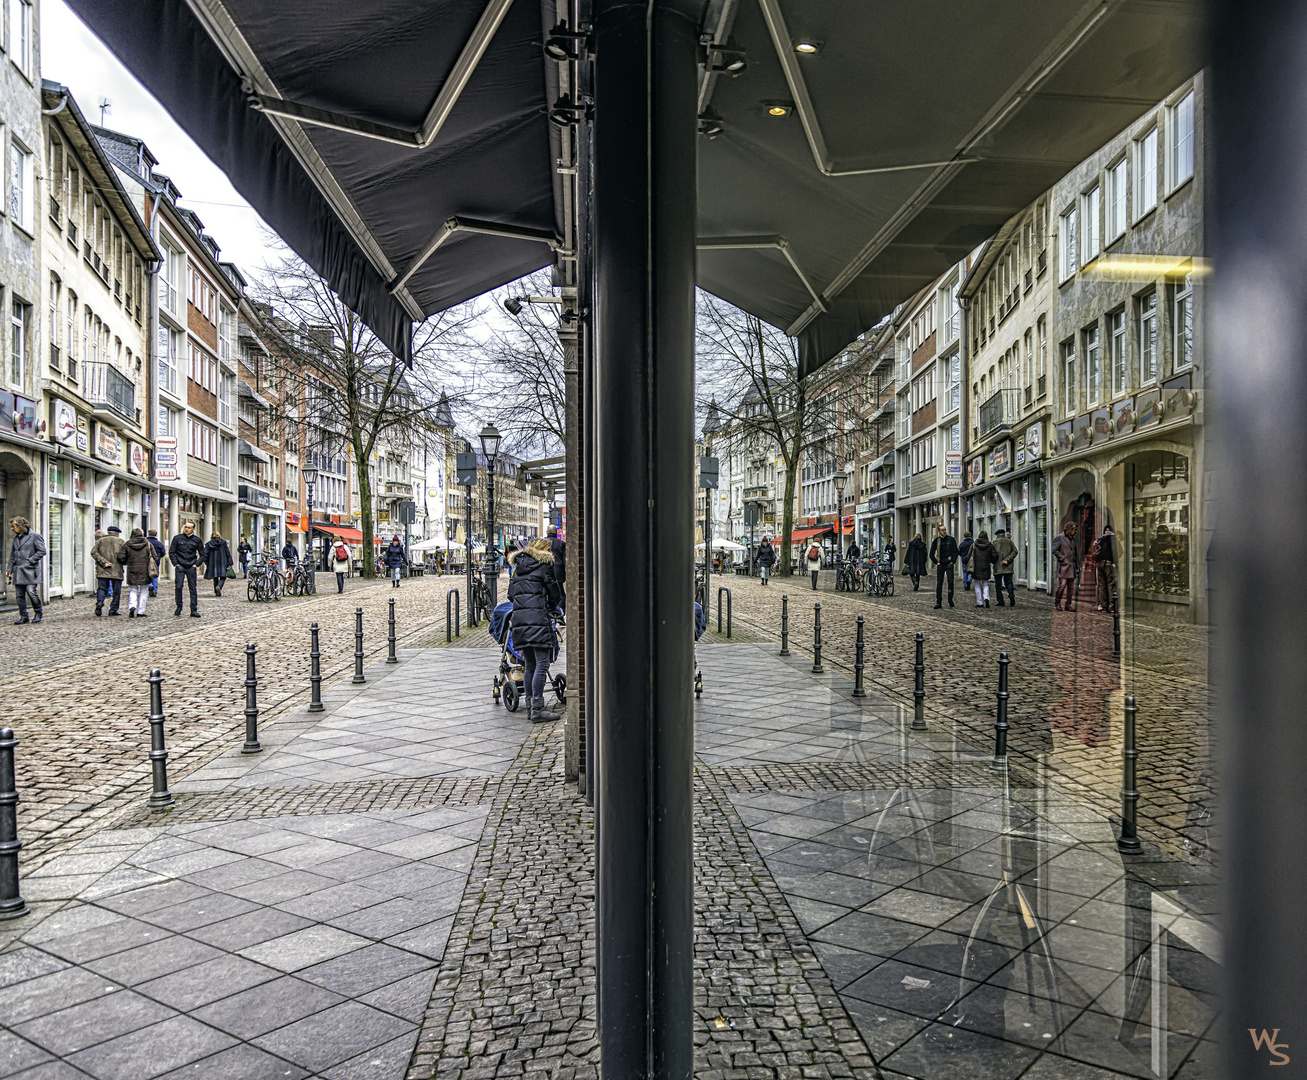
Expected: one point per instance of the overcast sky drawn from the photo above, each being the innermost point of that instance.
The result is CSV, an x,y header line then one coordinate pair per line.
x,y
72,55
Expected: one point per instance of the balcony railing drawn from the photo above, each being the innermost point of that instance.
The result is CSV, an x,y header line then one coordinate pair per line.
x,y
999,411
108,388
398,487
761,492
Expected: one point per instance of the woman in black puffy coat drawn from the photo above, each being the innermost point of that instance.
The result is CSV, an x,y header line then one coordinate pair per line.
x,y
534,593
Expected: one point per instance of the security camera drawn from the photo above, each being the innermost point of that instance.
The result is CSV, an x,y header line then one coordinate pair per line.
x,y
513,305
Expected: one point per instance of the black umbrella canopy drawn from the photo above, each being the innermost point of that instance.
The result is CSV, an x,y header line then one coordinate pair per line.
x,y
908,132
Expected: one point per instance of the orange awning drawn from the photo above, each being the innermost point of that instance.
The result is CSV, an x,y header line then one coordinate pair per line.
x,y
350,536
810,534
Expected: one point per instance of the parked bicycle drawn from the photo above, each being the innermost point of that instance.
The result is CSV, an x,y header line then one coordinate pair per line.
x,y
879,579
479,606
299,580
264,582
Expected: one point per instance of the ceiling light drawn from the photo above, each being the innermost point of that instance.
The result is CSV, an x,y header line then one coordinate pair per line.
x,y
777,110
807,47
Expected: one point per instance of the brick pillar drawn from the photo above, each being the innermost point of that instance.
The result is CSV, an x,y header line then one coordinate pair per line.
x,y
574,717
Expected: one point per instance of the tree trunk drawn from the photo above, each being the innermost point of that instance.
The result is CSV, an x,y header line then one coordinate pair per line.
x,y
792,476
365,513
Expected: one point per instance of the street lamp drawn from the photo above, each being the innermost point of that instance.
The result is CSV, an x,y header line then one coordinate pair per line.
x,y
841,479
490,439
310,473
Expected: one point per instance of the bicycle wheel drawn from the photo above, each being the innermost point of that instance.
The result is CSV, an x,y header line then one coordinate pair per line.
x,y
889,585
252,589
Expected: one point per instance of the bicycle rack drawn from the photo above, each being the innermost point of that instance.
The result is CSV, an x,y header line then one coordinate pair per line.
x,y
724,589
452,596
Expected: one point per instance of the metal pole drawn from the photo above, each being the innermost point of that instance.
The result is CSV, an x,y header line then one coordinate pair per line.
x,y
358,646
817,669
785,624
919,686
11,903
724,589
471,607
251,703
645,212
1129,839
391,658
492,547
313,559
451,597
1000,719
1116,626
315,671
858,691
160,797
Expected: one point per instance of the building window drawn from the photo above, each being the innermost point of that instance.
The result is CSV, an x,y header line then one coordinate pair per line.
x,y
224,462
20,185
1067,255
953,371
226,389
1043,355
20,35
1183,318
1029,341
17,343
1093,239
1181,132
1069,377
1146,173
170,275
168,347
1147,338
1116,328
169,421
56,317
955,437
1093,367
1116,189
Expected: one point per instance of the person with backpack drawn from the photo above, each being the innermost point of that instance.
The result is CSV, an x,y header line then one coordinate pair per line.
x,y
981,562
142,565
766,559
340,563
152,538
814,563
964,552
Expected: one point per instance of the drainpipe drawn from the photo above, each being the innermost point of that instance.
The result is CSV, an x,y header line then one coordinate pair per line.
x,y
964,400
152,423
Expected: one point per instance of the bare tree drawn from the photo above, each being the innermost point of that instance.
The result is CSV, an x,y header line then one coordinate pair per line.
x,y
339,384
750,369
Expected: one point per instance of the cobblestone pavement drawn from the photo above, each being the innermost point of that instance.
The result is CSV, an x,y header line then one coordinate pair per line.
x,y
1066,706
81,715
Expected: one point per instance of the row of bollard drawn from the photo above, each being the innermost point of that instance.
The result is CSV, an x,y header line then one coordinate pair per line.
x,y
1128,842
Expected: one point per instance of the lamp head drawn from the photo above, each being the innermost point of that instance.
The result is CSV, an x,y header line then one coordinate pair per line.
x,y
490,438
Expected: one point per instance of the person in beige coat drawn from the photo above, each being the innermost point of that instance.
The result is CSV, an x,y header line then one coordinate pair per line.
x,y
1005,561
108,570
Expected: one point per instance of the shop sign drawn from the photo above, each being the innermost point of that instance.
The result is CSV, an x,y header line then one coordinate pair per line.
x,y
1123,422
863,507
769,517
953,469
277,504
1149,408
880,503
1101,422
1021,455
1178,401
1034,441
108,445
65,423
1082,432
1063,438
136,458
383,515
976,471
24,415
1000,459
252,496
165,457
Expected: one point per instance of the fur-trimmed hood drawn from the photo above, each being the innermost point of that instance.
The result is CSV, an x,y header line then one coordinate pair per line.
x,y
546,557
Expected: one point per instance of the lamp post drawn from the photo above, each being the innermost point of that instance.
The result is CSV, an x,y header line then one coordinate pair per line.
x,y
841,479
490,438
310,474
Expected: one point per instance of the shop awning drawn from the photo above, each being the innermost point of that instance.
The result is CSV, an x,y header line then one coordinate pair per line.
x,y
350,536
812,533
405,150
248,450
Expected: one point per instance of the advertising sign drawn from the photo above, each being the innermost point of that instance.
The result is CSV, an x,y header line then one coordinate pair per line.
x,y
1034,441
1148,408
108,445
1000,459
976,471
953,469
1063,438
1101,421
1082,432
1124,421
25,416
136,458
165,457
83,438
65,423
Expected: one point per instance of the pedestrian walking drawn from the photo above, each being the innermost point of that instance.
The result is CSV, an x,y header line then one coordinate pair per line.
x,y
291,555
814,564
981,564
1105,565
891,553
108,570
534,593
152,538
142,566
943,554
217,561
243,551
766,560
964,553
25,555
916,561
340,563
1005,556
1068,566
558,547
396,560
185,552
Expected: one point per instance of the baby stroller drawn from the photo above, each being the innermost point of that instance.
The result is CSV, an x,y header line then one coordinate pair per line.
x,y
512,668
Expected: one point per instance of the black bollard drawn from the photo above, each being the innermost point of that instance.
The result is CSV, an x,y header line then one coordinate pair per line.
x,y
817,669
785,625
251,703
11,903
727,591
1129,841
1000,721
160,797
919,686
1116,626
858,691
358,646
452,596
315,672
391,658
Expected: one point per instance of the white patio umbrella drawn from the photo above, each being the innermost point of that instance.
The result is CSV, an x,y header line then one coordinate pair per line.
x,y
722,545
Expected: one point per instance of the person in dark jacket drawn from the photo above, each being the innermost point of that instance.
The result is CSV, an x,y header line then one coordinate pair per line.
x,y
943,554
1067,556
24,568
185,553
981,562
152,538
558,547
766,559
394,559
534,593
217,557
964,553
291,554
138,556
916,561
243,550
1104,550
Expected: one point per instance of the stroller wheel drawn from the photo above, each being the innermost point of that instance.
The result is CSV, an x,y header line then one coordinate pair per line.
x,y
511,698
560,686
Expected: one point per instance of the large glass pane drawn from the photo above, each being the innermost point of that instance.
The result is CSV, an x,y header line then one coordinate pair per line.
x,y
55,545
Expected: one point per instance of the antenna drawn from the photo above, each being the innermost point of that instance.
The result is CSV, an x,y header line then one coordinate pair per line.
x,y
105,106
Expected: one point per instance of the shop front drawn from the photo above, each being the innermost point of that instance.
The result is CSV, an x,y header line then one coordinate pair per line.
x,y
876,521
20,468
1007,489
